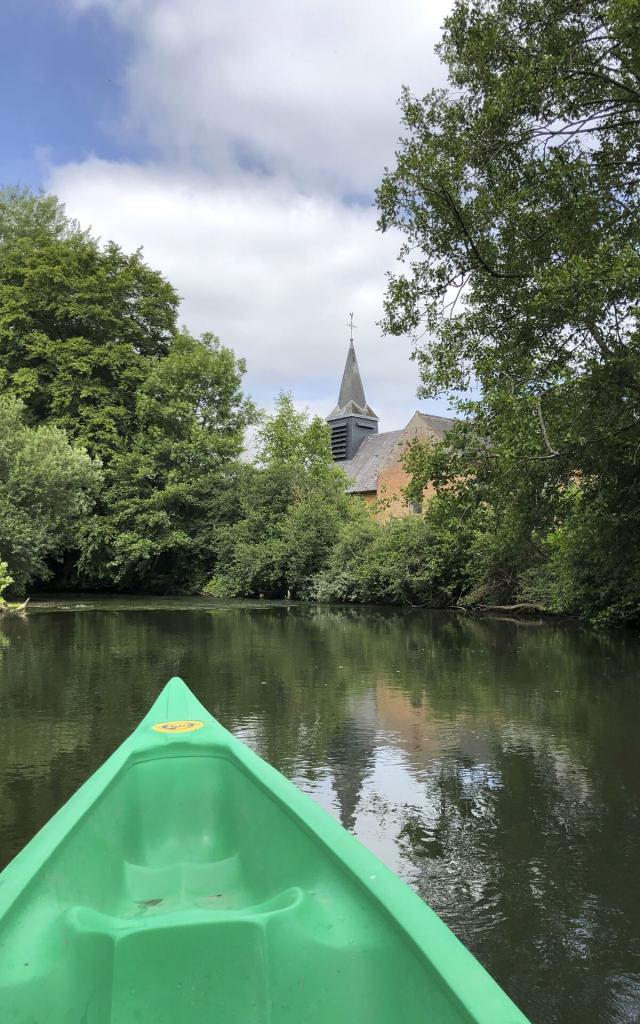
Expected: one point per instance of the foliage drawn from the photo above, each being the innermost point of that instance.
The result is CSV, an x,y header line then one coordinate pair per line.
x,y
500,513
88,342
80,325
292,507
517,189
590,561
168,491
37,217
561,548
290,439
6,579
47,488
417,560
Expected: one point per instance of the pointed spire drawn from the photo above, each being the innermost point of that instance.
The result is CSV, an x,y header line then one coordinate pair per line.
x,y
351,401
352,388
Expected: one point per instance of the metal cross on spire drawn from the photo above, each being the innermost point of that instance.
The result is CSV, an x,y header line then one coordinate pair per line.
x,y
352,327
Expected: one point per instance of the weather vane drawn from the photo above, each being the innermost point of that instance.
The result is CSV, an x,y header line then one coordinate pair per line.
x,y
352,327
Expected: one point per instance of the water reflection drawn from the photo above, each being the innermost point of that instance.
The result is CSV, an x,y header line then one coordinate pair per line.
x,y
493,765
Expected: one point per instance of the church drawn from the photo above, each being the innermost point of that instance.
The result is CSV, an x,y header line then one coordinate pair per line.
x,y
371,460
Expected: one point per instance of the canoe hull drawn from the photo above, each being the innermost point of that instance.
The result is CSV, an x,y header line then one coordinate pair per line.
x,y
187,882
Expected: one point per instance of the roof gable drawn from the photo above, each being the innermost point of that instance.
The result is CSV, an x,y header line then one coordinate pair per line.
x,y
381,450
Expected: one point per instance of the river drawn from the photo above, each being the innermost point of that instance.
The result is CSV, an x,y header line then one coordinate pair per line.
x,y
494,765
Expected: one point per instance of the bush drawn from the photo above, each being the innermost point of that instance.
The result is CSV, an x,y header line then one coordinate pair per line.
x,y
5,579
414,560
591,565
47,491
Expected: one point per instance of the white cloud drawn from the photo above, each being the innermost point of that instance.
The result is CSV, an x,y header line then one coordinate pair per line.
x,y
273,272
261,119
306,90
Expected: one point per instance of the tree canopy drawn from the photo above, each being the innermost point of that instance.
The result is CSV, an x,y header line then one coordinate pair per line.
x,y
80,324
47,489
89,345
166,493
292,504
517,190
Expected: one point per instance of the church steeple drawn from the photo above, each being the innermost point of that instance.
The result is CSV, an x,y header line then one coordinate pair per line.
x,y
351,400
352,420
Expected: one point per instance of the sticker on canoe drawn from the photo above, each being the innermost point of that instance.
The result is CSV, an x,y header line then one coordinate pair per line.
x,y
181,725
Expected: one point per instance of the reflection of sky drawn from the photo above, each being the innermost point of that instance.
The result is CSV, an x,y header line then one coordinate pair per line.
x,y
402,753
386,791
388,786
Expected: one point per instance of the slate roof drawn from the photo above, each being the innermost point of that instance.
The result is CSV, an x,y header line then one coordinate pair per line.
x,y
365,465
439,424
363,469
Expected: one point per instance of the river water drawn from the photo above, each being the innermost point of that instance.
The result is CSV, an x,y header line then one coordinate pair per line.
x,y
494,765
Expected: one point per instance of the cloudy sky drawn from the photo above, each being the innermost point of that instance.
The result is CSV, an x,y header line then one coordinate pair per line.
x,y
239,143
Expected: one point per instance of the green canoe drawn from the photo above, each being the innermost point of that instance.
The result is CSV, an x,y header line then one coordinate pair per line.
x,y
187,882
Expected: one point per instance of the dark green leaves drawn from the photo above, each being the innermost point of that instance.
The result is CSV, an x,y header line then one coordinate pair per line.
x,y
518,192
88,342
47,489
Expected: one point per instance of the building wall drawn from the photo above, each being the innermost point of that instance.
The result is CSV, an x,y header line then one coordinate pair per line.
x,y
391,482
389,497
393,479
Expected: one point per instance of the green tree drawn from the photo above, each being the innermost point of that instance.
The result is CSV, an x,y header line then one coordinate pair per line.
x,y
517,189
88,341
290,439
411,560
6,579
292,507
168,492
80,325
40,217
47,489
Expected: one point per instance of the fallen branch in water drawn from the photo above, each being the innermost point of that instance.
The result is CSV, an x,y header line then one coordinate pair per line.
x,y
13,609
522,607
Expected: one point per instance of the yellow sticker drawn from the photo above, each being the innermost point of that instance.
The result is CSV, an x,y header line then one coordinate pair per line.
x,y
182,725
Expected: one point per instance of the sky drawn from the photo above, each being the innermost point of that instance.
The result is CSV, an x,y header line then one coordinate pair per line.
x,y
239,144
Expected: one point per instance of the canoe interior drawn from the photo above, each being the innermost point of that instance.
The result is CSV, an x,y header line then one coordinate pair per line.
x,y
188,894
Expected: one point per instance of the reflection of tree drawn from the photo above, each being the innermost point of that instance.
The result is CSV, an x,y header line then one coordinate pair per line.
x,y
4,640
351,755
514,860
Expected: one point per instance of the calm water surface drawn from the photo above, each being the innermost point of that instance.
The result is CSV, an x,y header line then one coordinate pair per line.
x,y
493,765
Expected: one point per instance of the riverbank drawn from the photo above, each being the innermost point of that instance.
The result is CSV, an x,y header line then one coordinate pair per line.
x,y
70,601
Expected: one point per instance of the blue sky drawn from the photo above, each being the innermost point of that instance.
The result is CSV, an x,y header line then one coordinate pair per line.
x,y
63,71
240,145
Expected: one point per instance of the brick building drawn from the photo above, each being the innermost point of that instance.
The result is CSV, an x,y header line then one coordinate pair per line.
x,y
371,460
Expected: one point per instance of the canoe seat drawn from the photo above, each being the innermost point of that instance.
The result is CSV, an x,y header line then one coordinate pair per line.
x,y
161,914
